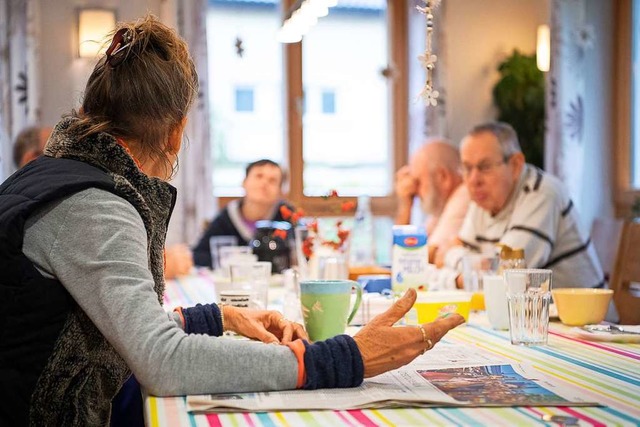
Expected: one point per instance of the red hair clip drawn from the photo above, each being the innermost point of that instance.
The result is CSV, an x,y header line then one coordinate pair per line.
x,y
121,40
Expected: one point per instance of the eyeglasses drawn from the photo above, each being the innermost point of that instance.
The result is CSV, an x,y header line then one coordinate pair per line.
x,y
483,168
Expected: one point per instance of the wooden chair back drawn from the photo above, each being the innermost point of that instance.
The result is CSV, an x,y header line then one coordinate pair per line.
x,y
625,278
605,235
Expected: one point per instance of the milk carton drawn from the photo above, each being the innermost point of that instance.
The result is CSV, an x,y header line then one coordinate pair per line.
x,y
409,257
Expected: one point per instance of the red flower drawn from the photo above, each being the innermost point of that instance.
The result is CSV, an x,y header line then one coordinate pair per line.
x,y
342,235
331,193
307,247
285,212
297,215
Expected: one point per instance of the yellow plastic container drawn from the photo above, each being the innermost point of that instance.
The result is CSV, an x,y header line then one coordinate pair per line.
x,y
477,301
431,305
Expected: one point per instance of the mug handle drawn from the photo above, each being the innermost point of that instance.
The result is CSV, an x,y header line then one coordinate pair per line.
x,y
356,305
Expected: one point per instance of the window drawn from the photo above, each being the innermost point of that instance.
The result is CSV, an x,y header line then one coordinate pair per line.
x,y
354,147
627,114
244,100
347,50
328,102
245,89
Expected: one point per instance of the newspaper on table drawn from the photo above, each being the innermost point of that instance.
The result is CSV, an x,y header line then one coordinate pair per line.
x,y
448,375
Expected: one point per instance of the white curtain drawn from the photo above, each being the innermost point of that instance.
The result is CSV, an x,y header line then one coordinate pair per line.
x,y
579,84
195,203
18,75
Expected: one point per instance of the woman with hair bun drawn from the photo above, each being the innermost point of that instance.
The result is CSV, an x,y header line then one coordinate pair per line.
x,y
82,233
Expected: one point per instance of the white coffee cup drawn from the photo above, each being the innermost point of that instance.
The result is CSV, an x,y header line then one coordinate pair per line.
x,y
495,301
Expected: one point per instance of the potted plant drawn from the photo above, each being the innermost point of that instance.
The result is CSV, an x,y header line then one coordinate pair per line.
x,y
519,98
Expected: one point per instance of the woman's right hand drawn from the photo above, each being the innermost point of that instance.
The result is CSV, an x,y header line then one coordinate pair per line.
x,y
384,347
267,326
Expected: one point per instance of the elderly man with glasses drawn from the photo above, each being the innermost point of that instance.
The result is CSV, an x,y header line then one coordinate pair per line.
x,y
519,205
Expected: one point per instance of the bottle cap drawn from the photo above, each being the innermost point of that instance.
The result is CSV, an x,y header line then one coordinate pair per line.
x,y
517,253
506,252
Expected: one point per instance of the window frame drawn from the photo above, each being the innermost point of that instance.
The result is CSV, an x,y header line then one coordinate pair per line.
x,y
625,194
398,22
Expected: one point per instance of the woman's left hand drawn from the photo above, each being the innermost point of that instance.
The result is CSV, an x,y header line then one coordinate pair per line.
x,y
264,325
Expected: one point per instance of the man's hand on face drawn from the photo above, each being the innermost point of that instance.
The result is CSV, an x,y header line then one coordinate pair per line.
x,y
406,184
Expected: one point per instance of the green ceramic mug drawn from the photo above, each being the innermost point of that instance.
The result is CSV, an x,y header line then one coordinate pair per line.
x,y
325,306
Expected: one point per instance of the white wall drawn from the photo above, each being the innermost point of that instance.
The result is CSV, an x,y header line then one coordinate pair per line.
x,y
478,36
63,75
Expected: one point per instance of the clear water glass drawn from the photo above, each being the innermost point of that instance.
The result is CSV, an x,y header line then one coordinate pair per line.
x,y
528,296
217,242
254,278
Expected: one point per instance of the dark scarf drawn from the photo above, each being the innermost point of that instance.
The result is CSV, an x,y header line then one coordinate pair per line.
x,y
85,372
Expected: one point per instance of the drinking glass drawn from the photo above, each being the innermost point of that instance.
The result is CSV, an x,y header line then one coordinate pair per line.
x,y
254,278
217,242
301,234
234,255
528,297
474,267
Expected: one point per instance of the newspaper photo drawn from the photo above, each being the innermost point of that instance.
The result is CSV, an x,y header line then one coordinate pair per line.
x,y
449,375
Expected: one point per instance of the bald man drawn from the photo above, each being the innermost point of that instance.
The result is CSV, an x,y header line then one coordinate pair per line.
x,y
433,175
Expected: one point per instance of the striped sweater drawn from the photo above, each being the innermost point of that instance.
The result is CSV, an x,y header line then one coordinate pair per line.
x,y
541,218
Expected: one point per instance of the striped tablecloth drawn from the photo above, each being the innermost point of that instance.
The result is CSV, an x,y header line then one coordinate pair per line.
x,y
608,373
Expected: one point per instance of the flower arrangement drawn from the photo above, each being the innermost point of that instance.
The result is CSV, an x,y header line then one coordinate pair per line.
x,y
318,235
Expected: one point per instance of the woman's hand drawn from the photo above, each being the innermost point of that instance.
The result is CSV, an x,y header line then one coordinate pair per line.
x,y
384,347
264,325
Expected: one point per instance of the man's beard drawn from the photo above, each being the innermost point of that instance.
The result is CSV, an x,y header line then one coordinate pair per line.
x,y
432,204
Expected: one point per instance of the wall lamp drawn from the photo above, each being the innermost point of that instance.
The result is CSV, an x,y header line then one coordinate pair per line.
x,y
93,26
543,48
301,17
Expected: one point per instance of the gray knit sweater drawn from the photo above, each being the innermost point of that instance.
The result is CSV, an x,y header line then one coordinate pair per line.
x,y
107,251
95,243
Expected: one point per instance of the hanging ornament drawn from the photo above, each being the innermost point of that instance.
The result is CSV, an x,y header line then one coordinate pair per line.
x,y
428,59
239,46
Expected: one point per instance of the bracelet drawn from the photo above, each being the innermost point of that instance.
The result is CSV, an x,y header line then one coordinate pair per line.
x,y
220,307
